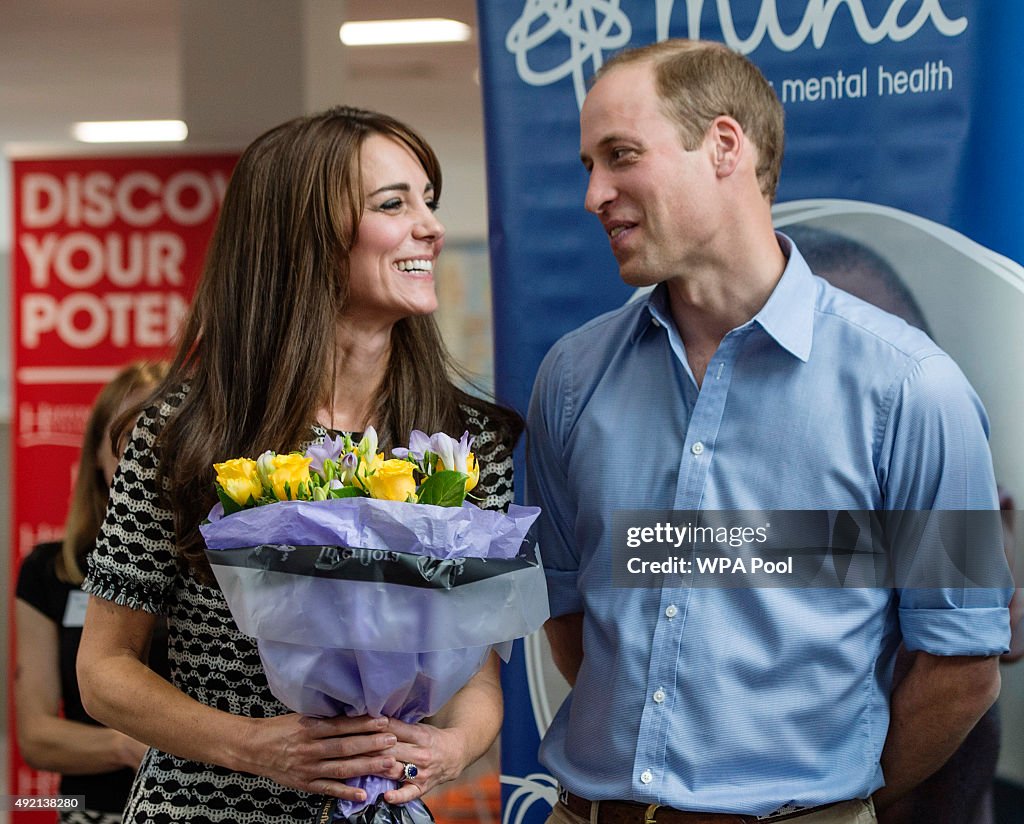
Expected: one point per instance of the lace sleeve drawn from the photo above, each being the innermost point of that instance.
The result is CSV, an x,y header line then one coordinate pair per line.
x,y
135,563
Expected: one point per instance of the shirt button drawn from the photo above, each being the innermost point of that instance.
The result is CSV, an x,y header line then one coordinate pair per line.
x,y
671,611
646,777
697,448
659,696
656,322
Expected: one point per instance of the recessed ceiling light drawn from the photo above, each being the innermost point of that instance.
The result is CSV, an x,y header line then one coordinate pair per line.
x,y
130,131
395,32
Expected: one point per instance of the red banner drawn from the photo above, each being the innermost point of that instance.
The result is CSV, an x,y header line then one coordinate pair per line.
x,y
106,254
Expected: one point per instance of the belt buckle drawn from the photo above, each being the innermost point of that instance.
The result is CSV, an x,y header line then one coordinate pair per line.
x,y
650,813
788,811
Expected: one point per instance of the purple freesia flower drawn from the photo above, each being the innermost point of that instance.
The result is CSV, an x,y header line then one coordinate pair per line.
x,y
347,467
453,453
419,444
330,449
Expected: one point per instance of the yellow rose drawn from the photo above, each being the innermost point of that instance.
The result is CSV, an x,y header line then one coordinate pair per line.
x,y
239,479
292,469
392,481
367,466
473,470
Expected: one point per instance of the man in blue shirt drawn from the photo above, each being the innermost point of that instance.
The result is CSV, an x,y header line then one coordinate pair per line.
x,y
741,383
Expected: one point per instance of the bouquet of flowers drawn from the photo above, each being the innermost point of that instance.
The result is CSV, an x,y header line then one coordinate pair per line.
x,y
373,586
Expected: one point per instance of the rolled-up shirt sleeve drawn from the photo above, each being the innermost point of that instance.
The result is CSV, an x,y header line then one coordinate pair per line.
x,y
937,461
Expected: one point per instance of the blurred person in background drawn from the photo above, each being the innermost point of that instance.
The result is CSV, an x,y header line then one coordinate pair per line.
x,y
93,760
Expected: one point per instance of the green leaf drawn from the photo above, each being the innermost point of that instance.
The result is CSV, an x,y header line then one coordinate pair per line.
x,y
444,488
347,492
229,503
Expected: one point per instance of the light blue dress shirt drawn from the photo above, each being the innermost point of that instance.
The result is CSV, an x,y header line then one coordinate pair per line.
x,y
744,700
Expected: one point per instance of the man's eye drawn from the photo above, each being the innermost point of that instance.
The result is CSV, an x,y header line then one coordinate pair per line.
x,y
622,154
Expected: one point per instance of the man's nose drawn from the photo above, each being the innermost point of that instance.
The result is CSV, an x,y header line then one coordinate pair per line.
x,y
600,192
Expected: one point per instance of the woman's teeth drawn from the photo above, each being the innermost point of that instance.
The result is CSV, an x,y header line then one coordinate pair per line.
x,y
415,265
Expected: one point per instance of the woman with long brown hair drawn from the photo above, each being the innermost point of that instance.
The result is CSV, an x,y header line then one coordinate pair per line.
x,y
54,731
313,316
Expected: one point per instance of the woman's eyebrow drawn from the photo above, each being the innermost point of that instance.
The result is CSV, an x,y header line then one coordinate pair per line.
x,y
399,187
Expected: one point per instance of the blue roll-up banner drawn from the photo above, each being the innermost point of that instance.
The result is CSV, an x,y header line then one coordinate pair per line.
x,y
902,120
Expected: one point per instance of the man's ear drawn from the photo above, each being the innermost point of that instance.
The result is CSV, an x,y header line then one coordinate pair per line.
x,y
728,144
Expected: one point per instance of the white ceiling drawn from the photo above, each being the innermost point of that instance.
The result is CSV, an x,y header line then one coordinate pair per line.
x,y
66,60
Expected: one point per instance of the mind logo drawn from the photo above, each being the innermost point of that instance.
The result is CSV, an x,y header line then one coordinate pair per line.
x,y
590,29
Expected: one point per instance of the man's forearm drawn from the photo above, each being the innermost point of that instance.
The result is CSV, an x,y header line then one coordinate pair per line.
x,y
933,709
565,635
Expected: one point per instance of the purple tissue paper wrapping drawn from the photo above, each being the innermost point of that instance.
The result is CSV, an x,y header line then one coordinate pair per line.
x,y
364,606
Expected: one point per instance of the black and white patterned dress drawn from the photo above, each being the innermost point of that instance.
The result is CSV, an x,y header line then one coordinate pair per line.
x,y
135,564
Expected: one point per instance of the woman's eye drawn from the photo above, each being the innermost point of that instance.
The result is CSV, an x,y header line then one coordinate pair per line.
x,y
391,205
433,205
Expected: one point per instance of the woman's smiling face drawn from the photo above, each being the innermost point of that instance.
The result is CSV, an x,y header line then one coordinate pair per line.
x,y
399,238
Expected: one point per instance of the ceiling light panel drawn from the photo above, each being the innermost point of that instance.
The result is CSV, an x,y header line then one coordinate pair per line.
x,y
398,32
130,131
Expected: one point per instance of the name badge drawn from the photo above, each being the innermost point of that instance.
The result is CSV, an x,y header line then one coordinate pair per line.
x,y
74,612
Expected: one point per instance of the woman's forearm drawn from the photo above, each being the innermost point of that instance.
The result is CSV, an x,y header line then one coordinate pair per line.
x,y
476,712
120,691
308,754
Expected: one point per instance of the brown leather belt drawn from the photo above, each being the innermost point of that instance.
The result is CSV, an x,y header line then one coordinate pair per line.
x,y
629,812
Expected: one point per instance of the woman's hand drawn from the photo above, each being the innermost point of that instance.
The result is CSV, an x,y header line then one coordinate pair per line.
x,y
315,755
439,755
457,736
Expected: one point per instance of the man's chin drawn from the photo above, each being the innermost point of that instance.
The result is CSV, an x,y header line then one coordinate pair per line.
x,y
637,279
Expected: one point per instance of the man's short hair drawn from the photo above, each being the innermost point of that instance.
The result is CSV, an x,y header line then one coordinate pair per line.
x,y
699,80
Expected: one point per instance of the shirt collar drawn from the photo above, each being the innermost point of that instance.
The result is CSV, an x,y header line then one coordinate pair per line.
x,y
655,312
787,317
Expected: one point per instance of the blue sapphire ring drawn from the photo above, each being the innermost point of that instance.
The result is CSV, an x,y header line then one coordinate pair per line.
x,y
409,772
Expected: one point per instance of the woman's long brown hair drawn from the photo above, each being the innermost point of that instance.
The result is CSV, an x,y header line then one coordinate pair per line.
x,y
258,345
